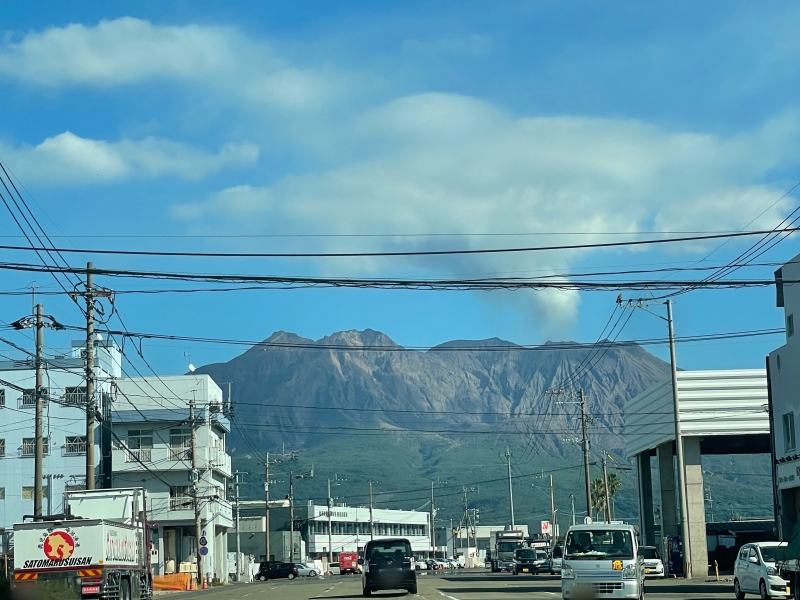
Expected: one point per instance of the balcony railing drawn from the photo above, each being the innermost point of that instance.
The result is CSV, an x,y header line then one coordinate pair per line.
x,y
180,503
180,453
75,448
76,398
140,455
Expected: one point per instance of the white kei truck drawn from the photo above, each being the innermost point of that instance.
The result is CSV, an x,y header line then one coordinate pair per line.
x,y
602,560
98,549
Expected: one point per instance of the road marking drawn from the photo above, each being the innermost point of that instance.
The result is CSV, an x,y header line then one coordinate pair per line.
x,y
446,596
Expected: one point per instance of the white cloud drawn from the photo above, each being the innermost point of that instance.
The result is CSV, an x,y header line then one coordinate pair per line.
x,y
451,164
128,51
69,159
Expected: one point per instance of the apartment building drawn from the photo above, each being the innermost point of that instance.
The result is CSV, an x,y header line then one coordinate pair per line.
x,y
153,450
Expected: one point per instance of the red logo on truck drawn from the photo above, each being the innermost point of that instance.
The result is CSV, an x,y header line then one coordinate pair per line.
x,y
59,545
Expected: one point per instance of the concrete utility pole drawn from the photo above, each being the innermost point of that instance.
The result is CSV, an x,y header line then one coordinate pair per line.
x,y
572,499
330,532
433,526
238,532
291,516
685,539
39,425
510,488
266,504
371,525
198,525
90,403
553,527
607,511
585,446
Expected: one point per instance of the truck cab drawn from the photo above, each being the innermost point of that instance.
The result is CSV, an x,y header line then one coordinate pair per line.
x,y
602,559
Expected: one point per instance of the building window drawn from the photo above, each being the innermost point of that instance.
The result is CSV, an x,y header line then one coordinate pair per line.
x,y
789,325
29,397
75,445
2,448
75,396
180,497
140,445
788,432
29,491
29,447
180,443
2,397
2,493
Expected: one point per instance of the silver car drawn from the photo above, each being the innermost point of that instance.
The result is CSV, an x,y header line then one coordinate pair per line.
x,y
306,571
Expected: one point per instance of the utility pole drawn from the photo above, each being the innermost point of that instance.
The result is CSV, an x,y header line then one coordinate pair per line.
x,y
291,516
330,532
238,533
266,504
39,426
553,526
466,524
433,525
585,447
685,539
510,488
198,525
572,499
371,526
607,511
90,404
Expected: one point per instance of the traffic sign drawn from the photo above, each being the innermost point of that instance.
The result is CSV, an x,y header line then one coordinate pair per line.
x,y
203,550
203,541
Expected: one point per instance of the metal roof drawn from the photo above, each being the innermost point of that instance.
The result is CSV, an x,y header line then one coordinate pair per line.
x,y
710,403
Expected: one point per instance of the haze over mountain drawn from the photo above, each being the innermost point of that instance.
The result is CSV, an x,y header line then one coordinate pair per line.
x,y
298,391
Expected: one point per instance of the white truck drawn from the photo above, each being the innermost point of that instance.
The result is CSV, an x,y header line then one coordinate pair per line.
x,y
98,549
504,545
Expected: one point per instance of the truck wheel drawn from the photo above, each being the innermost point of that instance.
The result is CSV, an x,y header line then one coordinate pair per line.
x,y
737,590
125,590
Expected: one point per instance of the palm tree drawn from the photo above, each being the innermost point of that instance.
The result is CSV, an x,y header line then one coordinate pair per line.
x,y
614,485
598,490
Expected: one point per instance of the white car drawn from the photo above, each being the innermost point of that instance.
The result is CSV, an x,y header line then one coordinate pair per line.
x,y
306,571
334,569
653,565
754,572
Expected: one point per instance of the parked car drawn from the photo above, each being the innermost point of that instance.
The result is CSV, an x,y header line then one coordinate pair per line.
x,y
754,571
333,568
306,571
276,570
388,565
653,565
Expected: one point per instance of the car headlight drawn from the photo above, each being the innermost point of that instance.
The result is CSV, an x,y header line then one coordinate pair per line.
x,y
629,572
772,571
567,573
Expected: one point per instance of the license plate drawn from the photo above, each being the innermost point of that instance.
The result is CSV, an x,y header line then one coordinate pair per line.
x,y
788,591
647,571
524,570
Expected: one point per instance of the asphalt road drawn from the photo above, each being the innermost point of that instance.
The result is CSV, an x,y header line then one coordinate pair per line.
x,y
456,586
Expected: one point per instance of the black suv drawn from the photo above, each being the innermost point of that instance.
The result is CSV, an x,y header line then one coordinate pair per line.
x,y
276,570
388,565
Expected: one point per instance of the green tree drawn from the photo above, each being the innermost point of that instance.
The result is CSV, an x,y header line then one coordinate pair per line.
x,y
598,490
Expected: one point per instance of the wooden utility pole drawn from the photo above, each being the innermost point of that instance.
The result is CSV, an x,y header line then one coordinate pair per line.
x,y
39,424
198,525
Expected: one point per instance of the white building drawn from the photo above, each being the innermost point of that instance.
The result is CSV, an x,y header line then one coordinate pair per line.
x,y
151,421
783,368
64,464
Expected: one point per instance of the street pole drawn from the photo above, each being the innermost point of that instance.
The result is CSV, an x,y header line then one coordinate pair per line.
x,y
238,533
198,525
685,539
510,490
585,446
266,504
291,516
433,525
39,425
553,527
371,526
572,499
90,404
607,511
330,533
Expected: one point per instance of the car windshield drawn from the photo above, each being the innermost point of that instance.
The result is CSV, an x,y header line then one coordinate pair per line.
x,y
541,555
649,553
598,544
768,553
395,551
508,546
526,554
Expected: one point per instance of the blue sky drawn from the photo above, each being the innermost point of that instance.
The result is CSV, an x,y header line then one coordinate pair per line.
x,y
204,119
